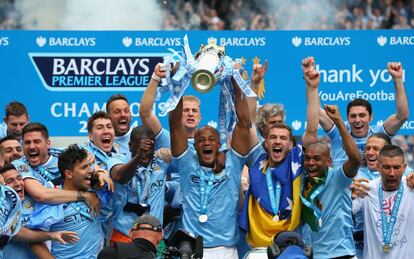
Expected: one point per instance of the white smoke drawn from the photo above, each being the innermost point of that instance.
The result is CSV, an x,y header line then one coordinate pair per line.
x,y
90,14
303,14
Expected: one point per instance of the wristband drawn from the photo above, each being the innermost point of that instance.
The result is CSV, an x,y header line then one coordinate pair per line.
x,y
155,77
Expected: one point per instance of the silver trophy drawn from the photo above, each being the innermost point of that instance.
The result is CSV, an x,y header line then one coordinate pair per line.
x,y
209,66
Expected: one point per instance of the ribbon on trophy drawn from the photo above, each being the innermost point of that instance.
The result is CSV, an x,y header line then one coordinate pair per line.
x,y
207,68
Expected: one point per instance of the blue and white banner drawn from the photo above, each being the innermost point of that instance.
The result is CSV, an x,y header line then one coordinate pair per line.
x,y
65,76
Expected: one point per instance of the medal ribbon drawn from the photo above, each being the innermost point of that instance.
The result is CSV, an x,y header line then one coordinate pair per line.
x,y
274,193
205,190
388,226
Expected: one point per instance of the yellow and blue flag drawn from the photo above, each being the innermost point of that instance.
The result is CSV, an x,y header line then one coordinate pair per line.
x,y
257,217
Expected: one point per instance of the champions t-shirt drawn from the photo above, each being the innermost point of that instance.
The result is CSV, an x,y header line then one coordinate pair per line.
x,y
402,237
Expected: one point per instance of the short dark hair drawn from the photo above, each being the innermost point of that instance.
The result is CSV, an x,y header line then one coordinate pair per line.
x,y
35,126
7,167
69,157
280,125
113,98
207,127
391,151
94,117
382,136
15,109
359,102
7,138
141,132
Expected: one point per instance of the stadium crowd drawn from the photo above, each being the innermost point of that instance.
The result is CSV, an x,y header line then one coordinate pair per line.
x,y
266,15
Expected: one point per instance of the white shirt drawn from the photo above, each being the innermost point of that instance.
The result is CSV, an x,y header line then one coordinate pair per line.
x,y
403,236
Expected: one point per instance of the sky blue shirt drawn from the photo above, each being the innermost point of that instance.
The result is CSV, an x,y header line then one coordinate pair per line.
x,y
222,203
3,130
21,250
152,180
76,218
338,153
106,161
123,143
10,205
47,174
335,237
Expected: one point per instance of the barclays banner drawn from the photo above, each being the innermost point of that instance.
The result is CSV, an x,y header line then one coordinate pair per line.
x,y
65,76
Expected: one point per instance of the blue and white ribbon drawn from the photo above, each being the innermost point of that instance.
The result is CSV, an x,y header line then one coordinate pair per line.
x,y
181,80
387,227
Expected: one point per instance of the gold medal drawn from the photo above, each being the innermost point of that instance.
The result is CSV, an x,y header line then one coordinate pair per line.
x,y
386,248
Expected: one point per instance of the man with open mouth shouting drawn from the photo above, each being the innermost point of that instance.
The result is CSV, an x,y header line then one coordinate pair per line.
x,y
272,203
359,115
210,200
40,172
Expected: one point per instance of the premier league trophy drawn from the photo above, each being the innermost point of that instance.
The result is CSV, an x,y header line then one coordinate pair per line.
x,y
208,67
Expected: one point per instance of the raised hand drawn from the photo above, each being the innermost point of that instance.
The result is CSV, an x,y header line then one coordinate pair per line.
x,y
308,64
333,112
259,72
310,75
359,189
395,69
160,70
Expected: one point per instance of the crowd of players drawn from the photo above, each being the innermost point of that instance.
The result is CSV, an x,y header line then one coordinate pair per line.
x,y
352,198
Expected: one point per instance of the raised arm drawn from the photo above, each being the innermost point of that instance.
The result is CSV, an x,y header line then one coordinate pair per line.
x,y
312,79
178,136
146,113
123,173
354,158
395,121
324,120
258,74
240,139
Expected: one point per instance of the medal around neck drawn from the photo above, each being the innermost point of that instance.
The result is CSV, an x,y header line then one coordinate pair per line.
x,y
386,248
276,218
203,218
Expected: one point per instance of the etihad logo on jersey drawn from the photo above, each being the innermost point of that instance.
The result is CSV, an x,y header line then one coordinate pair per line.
x,y
151,42
4,41
95,72
65,41
395,40
321,41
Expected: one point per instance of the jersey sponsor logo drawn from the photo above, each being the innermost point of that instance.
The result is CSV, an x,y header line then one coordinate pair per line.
x,y
196,179
95,72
